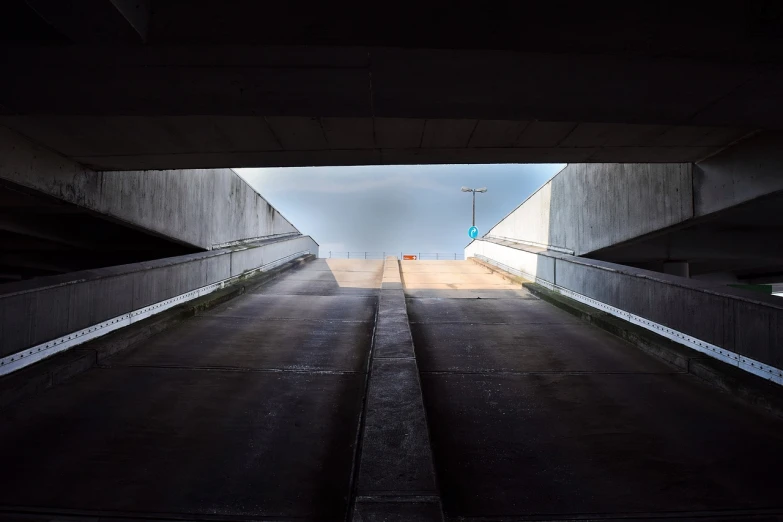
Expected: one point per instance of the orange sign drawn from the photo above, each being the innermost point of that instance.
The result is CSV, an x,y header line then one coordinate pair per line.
x,y
409,257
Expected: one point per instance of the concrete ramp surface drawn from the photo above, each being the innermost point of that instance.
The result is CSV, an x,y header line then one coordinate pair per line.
x,y
334,390
250,410
535,415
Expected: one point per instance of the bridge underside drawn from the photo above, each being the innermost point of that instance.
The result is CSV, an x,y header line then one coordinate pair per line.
x,y
215,141
171,84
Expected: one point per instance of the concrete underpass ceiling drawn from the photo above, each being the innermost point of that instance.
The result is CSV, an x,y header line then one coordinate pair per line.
x,y
243,83
170,142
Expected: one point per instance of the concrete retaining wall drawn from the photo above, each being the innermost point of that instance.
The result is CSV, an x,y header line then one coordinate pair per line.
x,y
39,310
591,206
586,207
747,324
203,208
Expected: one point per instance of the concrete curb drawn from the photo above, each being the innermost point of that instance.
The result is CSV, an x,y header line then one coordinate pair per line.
x,y
37,378
747,387
395,472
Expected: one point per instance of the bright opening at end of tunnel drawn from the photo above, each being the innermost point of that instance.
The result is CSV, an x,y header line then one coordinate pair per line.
x,y
424,279
375,211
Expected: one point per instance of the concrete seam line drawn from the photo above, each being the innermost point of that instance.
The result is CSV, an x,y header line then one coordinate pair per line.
x,y
28,356
747,364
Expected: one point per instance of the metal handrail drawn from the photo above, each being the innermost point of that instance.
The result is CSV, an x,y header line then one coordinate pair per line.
x,y
433,256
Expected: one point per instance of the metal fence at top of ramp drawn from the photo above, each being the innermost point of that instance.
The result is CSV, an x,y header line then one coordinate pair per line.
x,y
407,256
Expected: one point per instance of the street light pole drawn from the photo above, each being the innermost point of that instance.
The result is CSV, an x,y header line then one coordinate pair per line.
x,y
474,208
466,189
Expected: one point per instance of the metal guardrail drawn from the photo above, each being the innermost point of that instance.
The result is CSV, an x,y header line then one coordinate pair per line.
x,y
424,256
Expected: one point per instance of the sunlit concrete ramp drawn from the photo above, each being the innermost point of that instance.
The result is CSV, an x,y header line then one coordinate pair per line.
x,y
460,279
249,411
536,415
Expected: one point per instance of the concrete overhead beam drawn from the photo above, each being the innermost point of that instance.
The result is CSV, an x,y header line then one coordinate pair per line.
x,y
96,21
340,82
749,170
715,244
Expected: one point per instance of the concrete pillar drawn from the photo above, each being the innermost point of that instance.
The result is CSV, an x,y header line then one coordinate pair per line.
x,y
677,268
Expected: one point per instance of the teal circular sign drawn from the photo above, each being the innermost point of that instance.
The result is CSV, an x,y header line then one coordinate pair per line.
x,y
473,232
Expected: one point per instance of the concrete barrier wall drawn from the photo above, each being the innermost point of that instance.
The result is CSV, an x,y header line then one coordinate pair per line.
x,y
746,324
530,220
527,261
38,310
586,207
205,208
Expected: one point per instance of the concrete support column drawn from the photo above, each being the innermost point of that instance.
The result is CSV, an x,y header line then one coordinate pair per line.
x,y
677,268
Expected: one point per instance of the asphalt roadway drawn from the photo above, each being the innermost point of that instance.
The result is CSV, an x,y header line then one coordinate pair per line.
x,y
253,411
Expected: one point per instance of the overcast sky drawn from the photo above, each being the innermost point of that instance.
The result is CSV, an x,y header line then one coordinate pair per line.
x,y
411,209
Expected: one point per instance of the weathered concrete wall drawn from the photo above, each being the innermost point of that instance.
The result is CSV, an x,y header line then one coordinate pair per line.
x,y
39,310
530,220
749,170
590,206
203,208
745,323
587,207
